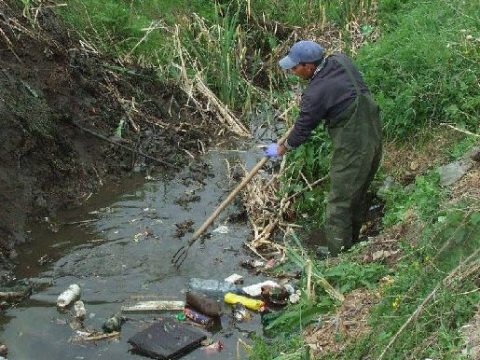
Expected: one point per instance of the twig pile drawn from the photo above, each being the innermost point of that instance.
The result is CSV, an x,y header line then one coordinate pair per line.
x,y
269,214
265,214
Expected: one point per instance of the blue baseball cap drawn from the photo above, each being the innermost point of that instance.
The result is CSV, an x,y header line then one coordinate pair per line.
x,y
304,51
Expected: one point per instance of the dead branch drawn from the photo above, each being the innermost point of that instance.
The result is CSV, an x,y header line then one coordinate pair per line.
x,y
461,130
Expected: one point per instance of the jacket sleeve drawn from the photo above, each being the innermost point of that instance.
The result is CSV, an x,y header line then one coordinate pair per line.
x,y
311,112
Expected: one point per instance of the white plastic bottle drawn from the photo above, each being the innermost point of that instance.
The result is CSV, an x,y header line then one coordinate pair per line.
x,y
71,294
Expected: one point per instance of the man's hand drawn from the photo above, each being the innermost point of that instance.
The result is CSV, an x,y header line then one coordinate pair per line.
x,y
271,150
274,150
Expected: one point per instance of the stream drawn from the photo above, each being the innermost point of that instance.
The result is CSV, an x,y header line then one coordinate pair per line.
x,y
118,249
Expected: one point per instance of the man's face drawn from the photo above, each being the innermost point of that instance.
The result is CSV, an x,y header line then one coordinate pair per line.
x,y
304,71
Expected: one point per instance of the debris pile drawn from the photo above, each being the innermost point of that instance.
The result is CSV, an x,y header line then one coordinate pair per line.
x,y
168,328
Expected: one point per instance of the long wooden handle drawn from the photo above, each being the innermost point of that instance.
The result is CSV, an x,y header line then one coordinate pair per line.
x,y
235,191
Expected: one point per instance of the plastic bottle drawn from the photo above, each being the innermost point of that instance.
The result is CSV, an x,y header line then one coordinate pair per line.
x,y
213,287
251,304
203,303
65,298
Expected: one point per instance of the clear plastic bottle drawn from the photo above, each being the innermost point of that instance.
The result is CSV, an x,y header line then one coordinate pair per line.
x,y
213,287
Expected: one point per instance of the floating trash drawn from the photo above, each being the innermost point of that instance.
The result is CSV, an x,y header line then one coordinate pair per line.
x,y
197,317
213,287
155,305
3,350
203,303
217,346
240,312
255,290
222,229
295,297
167,339
71,294
113,323
275,295
252,264
234,279
79,309
251,304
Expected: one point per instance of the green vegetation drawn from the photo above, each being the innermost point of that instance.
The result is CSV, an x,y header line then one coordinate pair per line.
x,y
424,71
423,68
440,265
424,198
311,160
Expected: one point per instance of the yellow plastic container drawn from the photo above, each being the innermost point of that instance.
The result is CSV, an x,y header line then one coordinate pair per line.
x,y
252,304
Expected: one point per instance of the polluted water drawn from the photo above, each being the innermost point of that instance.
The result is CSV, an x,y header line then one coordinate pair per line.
x,y
121,257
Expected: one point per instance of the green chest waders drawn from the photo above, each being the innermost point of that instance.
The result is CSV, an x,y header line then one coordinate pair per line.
x,y
357,149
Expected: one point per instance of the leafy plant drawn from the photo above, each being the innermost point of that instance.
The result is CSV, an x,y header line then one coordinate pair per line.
x,y
423,198
308,163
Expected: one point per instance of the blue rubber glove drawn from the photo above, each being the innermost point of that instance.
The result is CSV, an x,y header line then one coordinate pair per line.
x,y
271,150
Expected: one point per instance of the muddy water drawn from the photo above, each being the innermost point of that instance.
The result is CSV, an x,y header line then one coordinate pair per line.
x,y
118,249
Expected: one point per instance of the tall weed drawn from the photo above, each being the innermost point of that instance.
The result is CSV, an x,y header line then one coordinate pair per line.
x,y
120,28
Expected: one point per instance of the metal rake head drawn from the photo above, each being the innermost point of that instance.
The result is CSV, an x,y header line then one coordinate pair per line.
x,y
180,256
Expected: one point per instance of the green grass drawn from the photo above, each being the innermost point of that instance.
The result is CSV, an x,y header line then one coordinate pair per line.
x,y
345,276
279,348
429,263
461,147
121,28
424,71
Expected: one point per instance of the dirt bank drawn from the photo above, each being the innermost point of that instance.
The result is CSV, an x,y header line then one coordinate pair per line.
x,y
60,106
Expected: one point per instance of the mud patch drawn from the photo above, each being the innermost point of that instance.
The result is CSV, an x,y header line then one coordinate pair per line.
x,y
184,228
335,332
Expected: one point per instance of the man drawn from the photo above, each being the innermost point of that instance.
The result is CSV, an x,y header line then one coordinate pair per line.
x,y
337,94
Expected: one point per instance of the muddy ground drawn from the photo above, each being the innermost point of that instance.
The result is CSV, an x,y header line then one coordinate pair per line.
x,y
60,105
